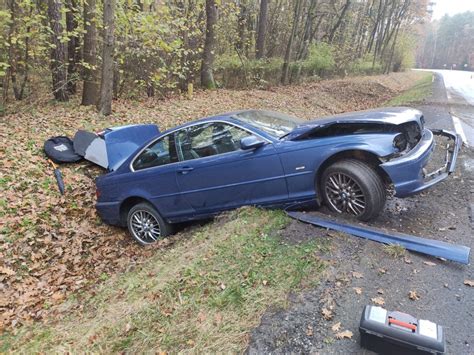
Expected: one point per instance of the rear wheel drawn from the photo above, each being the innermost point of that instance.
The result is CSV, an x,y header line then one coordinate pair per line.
x,y
352,187
146,225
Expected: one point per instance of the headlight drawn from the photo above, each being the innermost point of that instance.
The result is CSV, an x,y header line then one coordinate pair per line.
x,y
400,142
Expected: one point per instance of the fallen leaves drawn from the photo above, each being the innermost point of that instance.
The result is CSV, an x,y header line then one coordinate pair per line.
x,y
336,327
345,334
309,330
358,290
7,271
429,263
357,275
469,283
327,314
58,296
378,301
413,296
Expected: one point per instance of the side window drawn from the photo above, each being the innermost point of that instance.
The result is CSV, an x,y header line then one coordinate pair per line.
x,y
159,153
208,139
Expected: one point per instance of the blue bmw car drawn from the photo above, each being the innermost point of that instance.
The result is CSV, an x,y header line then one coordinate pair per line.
x,y
348,162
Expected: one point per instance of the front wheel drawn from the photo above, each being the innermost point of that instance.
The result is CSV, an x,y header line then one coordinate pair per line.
x,y
352,187
146,225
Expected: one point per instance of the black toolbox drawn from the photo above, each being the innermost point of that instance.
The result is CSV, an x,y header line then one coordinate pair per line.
x,y
387,332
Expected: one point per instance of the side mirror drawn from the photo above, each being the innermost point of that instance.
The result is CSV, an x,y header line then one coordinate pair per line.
x,y
251,142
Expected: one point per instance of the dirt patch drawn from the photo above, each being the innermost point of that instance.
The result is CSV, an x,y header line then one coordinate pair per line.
x,y
52,246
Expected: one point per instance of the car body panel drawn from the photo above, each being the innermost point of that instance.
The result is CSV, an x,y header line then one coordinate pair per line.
x,y
282,171
407,173
302,159
244,177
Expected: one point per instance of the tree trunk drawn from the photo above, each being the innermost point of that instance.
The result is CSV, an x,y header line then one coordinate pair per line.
x,y
107,80
72,46
207,79
308,30
286,62
375,28
262,29
332,34
241,26
58,52
89,55
392,51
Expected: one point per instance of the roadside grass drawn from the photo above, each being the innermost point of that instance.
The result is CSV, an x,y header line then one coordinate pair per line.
x,y
394,250
202,295
422,89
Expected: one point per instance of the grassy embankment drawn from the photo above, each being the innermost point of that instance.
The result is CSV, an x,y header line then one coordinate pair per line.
x,y
422,89
203,295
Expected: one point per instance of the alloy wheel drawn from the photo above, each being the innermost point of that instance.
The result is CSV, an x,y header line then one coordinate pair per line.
x,y
145,227
344,194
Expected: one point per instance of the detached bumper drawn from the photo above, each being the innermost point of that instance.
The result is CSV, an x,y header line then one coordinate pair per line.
x,y
408,172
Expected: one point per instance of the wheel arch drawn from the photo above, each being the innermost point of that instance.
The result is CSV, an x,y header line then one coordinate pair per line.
x,y
365,156
128,203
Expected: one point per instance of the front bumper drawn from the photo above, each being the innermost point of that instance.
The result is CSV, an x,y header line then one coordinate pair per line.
x,y
408,172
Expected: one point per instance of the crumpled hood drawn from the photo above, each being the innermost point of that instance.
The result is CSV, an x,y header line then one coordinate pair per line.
x,y
386,115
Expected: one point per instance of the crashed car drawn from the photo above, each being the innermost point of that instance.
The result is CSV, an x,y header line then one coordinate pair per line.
x,y
265,158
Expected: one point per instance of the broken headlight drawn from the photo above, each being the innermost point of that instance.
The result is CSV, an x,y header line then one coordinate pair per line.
x,y
400,142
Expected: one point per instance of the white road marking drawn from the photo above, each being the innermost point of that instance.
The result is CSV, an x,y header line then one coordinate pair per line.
x,y
459,130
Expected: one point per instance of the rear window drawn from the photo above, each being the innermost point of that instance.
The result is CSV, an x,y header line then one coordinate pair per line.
x,y
161,152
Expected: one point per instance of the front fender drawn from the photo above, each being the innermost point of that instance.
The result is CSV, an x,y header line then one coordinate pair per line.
x,y
380,145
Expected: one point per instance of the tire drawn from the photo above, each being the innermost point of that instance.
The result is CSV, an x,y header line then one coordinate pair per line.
x,y
352,187
146,225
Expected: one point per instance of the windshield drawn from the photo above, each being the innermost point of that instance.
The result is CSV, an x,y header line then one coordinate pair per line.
x,y
274,123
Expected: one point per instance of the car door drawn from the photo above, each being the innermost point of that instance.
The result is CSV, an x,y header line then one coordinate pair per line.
x,y
215,174
154,177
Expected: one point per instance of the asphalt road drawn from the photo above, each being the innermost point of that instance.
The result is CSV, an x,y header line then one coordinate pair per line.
x,y
460,98
361,270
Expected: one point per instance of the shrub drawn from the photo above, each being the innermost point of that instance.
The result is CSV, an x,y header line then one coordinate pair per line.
x,y
320,58
233,71
363,66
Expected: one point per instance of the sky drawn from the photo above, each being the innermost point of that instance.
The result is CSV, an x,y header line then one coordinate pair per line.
x,y
451,7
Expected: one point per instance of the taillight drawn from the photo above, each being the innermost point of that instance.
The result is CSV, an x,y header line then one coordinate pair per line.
x,y
97,193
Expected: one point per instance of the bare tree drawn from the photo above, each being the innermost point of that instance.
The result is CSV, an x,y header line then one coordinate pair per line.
x,y
73,47
207,78
58,52
332,34
107,80
286,61
262,29
90,88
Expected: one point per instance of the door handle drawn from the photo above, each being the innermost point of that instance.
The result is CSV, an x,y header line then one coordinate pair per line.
x,y
185,170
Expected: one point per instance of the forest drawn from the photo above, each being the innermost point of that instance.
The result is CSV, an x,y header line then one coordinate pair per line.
x,y
100,50
449,43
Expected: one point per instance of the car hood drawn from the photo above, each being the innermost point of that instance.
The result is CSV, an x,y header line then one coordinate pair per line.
x,y
383,116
